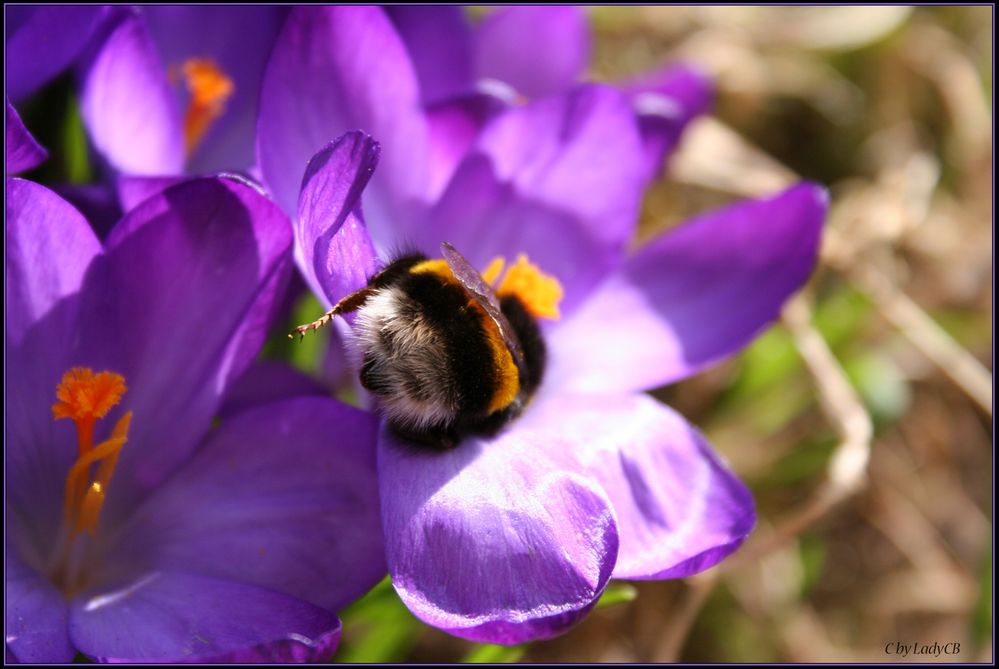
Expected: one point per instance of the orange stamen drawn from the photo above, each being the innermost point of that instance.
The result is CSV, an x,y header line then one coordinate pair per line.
x,y
539,292
210,89
493,270
85,396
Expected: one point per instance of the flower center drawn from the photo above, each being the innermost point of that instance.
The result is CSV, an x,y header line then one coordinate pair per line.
x,y
539,292
210,89
84,397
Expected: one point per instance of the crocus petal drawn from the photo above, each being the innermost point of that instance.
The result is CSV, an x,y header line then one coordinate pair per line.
x,y
665,102
537,50
127,104
221,34
49,249
679,509
168,306
282,496
332,246
439,41
45,41
455,124
265,382
349,64
36,615
178,617
695,295
22,152
560,180
496,540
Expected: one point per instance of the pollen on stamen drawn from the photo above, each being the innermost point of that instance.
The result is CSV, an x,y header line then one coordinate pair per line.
x,y
493,270
83,395
540,292
210,89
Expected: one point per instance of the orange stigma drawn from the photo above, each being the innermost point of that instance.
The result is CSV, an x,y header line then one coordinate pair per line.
x,y
210,89
84,397
539,292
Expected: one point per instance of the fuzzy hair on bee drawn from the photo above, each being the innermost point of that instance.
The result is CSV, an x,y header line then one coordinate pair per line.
x,y
442,354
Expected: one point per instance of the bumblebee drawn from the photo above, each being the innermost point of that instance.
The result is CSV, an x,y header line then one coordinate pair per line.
x,y
444,353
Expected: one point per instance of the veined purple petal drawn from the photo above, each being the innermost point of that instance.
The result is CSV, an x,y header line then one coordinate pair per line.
x,y
36,615
497,540
49,249
537,50
439,40
455,124
332,245
22,152
238,39
127,103
178,617
665,102
559,180
679,509
168,306
282,496
45,41
579,152
266,382
696,294
333,70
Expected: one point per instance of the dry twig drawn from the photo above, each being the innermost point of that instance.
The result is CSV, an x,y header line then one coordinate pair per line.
x,y
924,333
839,401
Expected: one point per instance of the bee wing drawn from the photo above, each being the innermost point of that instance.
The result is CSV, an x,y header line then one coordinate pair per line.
x,y
482,293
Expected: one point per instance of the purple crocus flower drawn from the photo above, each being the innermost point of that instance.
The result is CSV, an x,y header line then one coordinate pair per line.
x,y
513,538
147,534
532,52
164,90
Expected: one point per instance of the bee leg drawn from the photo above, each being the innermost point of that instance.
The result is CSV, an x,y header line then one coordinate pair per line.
x,y
348,304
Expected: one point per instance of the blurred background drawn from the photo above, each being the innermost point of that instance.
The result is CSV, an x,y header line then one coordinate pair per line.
x,y
875,497
862,421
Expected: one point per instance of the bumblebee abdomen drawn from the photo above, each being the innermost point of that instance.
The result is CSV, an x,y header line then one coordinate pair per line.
x,y
437,359
460,329
425,353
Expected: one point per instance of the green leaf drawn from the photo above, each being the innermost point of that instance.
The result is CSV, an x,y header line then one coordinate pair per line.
x,y
882,385
812,553
767,361
378,628
493,654
306,353
617,593
841,316
73,136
